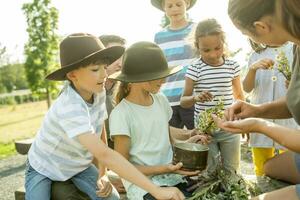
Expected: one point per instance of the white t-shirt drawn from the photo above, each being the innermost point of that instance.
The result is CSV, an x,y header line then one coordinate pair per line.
x,y
148,129
56,152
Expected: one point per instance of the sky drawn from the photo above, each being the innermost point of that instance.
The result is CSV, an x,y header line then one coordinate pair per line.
x,y
135,20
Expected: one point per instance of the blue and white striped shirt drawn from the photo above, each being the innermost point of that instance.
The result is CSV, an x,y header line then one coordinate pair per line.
x,y
178,52
56,152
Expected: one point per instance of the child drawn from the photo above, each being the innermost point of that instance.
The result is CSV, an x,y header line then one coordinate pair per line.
x,y
69,138
258,82
172,40
139,123
212,77
110,85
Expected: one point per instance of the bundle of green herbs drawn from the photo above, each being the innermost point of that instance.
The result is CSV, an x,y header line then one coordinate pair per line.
x,y
224,185
206,123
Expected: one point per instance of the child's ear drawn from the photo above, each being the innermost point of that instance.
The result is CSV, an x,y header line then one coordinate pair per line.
x,y
71,76
261,27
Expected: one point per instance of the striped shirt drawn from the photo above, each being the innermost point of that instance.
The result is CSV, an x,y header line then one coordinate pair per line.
x,y
56,152
215,79
178,51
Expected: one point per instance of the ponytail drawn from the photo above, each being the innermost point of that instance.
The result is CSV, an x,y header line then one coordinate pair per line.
x,y
123,91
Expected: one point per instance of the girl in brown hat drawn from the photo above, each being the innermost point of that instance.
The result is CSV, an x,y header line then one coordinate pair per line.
x,y
70,135
139,123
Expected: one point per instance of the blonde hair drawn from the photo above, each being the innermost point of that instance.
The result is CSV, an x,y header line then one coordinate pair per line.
x,y
123,91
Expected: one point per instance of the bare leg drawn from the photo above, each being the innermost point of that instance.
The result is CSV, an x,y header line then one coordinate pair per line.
x,y
283,167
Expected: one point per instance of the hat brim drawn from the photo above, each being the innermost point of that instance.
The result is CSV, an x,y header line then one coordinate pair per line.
x,y
111,54
157,4
144,77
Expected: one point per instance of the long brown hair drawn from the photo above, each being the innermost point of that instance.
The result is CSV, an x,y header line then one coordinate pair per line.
x,y
288,12
245,12
123,92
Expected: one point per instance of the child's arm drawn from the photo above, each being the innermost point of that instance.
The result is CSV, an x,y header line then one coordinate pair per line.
x,y
122,145
249,81
190,136
121,166
237,88
187,99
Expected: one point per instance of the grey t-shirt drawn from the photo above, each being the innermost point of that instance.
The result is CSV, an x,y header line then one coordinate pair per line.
x,y
293,93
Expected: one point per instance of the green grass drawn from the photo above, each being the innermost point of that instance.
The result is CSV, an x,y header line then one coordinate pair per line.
x,y
7,150
19,122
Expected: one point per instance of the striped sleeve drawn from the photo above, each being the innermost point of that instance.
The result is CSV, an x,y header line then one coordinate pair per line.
x,y
75,120
192,72
236,69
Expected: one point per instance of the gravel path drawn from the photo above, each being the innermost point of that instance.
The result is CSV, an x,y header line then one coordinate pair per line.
x,y
11,176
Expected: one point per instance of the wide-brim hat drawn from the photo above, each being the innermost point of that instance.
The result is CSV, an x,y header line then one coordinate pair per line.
x,y
158,4
142,62
78,49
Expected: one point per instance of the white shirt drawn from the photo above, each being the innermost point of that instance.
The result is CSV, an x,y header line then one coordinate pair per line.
x,y
56,152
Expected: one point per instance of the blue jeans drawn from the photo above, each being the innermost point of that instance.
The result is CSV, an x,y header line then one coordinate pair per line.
x,y
224,148
39,186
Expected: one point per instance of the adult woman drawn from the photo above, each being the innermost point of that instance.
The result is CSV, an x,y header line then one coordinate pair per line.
x,y
272,23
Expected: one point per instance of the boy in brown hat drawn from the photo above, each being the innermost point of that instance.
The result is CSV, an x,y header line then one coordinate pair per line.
x,y
172,40
70,135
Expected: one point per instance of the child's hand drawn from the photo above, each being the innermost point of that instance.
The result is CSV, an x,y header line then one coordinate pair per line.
x,y
203,97
177,169
265,63
202,139
104,187
287,83
168,193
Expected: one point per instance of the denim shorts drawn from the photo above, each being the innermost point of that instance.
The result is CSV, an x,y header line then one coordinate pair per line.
x,y
297,162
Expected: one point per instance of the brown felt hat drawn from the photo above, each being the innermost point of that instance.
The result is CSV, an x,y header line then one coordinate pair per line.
x,y
77,49
142,62
158,4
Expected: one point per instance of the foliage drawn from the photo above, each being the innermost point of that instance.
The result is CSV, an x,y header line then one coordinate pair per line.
x,y
206,123
283,65
224,185
42,46
12,77
7,150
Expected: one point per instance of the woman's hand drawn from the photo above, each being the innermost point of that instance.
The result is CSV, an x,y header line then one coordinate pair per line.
x,y
286,84
168,193
203,97
241,110
170,168
240,126
104,187
265,63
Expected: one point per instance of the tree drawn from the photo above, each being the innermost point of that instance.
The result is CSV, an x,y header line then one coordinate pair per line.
x,y
12,77
42,46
